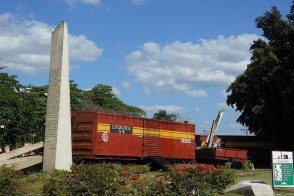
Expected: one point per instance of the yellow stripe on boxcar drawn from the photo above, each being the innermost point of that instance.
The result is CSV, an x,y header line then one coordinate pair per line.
x,y
152,132
139,131
176,135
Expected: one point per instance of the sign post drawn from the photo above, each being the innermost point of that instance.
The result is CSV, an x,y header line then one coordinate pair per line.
x,y
282,169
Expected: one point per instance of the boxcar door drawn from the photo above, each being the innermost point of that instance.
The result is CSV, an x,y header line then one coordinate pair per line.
x,y
151,138
83,135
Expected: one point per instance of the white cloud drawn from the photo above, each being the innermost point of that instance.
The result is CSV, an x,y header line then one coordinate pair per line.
x,y
204,125
234,129
25,45
138,2
89,2
224,94
168,108
116,91
147,91
197,109
82,49
190,67
223,106
197,93
235,126
126,85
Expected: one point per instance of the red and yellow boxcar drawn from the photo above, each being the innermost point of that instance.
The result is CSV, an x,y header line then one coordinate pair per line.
x,y
97,135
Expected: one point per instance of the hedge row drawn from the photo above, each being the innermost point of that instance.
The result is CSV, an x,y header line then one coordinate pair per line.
x,y
115,179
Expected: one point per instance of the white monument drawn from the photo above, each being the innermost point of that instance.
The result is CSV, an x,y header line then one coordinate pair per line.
x,y
57,143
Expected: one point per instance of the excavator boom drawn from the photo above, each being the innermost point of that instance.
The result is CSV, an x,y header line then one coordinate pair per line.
x,y
213,129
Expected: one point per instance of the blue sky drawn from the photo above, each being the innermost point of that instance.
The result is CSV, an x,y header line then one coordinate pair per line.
x,y
177,55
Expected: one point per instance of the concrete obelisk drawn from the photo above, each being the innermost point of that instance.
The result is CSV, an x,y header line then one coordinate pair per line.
x,y
57,143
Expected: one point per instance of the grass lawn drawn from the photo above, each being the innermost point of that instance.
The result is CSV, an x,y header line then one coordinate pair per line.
x,y
264,175
34,183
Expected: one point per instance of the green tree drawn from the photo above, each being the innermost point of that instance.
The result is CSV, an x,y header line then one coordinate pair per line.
x,y
23,108
102,98
163,115
10,101
264,93
77,102
35,100
21,114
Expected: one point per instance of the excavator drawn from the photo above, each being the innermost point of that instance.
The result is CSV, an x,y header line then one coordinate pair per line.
x,y
210,150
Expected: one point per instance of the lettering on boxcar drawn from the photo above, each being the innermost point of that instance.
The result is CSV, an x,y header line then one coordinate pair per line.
x,y
186,141
121,129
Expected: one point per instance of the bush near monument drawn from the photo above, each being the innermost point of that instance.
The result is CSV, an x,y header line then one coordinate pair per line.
x,y
117,179
10,183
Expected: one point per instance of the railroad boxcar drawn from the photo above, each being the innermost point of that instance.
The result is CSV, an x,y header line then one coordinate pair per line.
x,y
259,148
218,155
97,135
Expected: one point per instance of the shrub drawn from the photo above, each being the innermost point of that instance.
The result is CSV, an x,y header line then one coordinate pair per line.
x,y
56,183
140,169
10,182
191,182
91,180
247,165
203,168
117,179
150,185
224,178
181,167
199,179
146,184
85,179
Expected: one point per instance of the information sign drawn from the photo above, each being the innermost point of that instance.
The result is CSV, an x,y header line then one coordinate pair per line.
x,y
282,169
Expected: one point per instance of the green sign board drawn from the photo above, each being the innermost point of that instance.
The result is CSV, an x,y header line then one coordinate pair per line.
x,y
282,169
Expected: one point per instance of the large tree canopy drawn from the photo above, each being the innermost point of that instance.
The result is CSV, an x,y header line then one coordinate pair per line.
x,y
23,108
264,93
22,113
102,98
